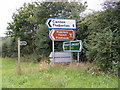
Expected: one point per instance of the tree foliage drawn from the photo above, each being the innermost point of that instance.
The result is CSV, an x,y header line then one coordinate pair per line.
x,y
58,10
102,41
23,22
42,40
9,47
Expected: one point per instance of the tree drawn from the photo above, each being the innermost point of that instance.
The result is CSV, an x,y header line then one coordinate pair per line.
x,y
23,22
23,26
47,10
42,40
53,10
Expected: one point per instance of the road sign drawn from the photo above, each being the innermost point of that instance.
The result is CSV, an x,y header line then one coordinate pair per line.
x,y
23,43
61,57
61,35
66,46
72,46
56,23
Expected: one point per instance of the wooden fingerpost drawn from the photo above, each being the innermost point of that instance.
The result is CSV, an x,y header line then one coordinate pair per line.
x,y
19,69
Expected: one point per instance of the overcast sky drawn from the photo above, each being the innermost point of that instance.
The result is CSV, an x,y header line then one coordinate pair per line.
x,y
8,7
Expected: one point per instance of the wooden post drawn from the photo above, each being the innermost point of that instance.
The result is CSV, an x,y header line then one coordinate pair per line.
x,y
19,70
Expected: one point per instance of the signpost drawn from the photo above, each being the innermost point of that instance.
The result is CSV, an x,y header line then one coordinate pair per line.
x,y
63,29
20,43
56,23
19,70
72,46
61,35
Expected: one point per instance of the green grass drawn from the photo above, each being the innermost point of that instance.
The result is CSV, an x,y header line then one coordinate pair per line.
x,y
0,74
44,76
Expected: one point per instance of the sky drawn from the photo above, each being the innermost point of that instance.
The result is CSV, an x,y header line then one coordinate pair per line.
x,y
8,7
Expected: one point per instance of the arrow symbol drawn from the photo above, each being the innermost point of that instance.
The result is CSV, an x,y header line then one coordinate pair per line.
x,y
73,25
51,34
49,23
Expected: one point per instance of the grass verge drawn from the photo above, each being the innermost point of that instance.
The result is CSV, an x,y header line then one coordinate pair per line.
x,y
42,75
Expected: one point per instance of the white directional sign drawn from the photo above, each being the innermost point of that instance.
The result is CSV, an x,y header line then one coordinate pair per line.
x,y
56,23
23,43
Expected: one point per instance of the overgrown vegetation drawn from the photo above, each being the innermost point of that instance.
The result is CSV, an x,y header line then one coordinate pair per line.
x,y
103,42
99,31
42,75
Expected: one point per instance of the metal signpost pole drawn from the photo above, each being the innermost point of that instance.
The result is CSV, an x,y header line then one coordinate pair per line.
x,y
53,51
78,58
19,70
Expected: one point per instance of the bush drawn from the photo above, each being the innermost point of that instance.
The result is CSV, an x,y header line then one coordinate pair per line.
x,y
102,42
9,47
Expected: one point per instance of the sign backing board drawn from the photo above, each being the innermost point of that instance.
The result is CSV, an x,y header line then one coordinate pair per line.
x,y
72,46
61,35
58,23
61,57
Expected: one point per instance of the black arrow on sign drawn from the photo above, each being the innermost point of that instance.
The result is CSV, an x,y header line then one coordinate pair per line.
x,y
73,25
49,23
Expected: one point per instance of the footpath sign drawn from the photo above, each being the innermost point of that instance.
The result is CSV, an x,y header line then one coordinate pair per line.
x,y
60,57
72,46
56,23
23,43
61,35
